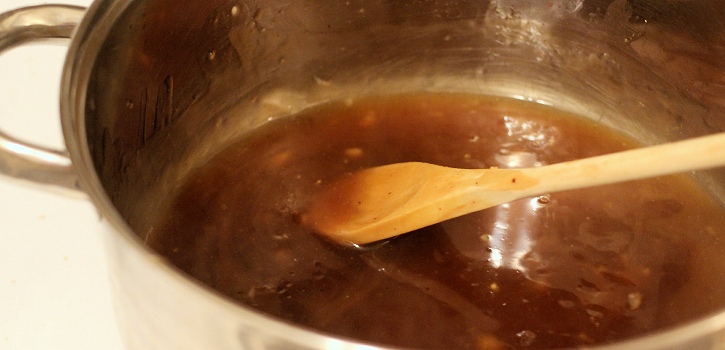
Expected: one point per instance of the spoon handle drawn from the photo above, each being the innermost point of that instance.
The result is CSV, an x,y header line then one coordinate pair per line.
x,y
682,156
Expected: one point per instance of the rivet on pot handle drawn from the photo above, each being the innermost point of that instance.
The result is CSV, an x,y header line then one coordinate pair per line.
x,y
19,159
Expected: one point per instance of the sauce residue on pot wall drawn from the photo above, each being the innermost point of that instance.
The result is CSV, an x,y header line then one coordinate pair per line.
x,y
567,269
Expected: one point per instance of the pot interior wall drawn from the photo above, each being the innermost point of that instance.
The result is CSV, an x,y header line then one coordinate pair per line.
x,y
175,84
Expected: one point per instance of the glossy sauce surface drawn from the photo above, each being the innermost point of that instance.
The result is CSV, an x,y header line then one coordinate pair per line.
x,y
568,269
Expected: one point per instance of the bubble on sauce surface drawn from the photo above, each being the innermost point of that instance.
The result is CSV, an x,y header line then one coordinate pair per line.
x,y
543,200
527,338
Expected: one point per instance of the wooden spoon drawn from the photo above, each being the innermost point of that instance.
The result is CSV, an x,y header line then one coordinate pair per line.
x,y
386,201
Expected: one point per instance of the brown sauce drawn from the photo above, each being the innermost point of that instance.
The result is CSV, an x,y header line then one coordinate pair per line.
x,y
567,269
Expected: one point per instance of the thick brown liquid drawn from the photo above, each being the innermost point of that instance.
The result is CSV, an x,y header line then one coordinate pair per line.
x,y
567,269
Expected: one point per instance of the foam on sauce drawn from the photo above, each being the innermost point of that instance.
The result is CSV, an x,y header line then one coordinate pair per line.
x,y
567,269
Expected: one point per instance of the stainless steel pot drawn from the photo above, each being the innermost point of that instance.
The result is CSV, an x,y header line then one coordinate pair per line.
x,y
152,88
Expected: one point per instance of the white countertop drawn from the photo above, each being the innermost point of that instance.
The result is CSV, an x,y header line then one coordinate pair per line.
x,y
54,291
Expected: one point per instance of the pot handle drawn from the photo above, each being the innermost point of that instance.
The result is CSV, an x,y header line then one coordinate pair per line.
x,y
19,159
